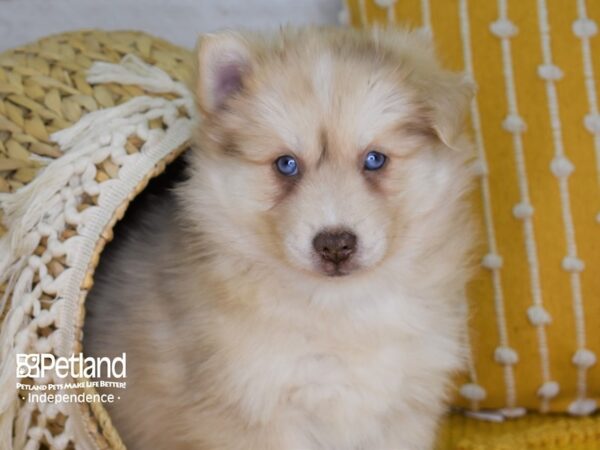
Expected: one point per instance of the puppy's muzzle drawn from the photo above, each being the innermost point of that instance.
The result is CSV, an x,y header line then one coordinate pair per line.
x,y
335,249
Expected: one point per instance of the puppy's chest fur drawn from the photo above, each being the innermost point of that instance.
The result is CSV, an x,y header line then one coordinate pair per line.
x,y
315,367
332,370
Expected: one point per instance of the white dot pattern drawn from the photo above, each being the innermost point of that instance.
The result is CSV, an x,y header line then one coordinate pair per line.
x,y
472,391
584,358
523,210
585,28
550,72
571,263
561,165
504,28
506,355
583,407
538,315
385,3
513,123
492,261
549,389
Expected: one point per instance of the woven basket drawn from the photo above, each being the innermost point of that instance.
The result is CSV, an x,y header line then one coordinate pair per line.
x,y
47,261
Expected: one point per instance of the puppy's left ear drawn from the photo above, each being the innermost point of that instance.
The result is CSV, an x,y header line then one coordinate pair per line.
x,y
450,103
223,63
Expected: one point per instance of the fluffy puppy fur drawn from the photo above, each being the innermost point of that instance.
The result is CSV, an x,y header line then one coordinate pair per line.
x,y
239,334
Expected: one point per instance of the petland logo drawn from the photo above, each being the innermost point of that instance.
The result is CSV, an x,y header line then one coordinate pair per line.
x,y
39,365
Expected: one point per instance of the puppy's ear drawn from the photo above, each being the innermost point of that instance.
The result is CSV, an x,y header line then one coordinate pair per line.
x,y
222,65
450,101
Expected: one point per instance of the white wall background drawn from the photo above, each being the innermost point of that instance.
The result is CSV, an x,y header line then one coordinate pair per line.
x,y
179,21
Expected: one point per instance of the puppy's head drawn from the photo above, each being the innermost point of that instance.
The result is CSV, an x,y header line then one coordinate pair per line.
x,y
328,152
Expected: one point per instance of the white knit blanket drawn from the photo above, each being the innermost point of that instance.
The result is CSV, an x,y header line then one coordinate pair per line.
x,y
46,207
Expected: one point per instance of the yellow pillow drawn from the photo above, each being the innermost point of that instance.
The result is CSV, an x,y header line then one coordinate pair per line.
x,y
535,303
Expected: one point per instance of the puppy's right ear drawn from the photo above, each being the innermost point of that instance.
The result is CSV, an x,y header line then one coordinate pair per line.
x,y
450,98
223,63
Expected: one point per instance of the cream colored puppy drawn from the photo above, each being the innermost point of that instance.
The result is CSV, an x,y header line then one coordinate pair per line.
x,y
303,288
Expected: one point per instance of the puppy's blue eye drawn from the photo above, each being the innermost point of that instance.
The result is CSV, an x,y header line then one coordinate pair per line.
x,y
287,165
374,160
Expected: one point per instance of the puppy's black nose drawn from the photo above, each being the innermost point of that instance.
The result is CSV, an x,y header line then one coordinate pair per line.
x,y
335,246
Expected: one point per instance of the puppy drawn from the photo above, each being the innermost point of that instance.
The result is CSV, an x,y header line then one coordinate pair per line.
x,y
303,288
